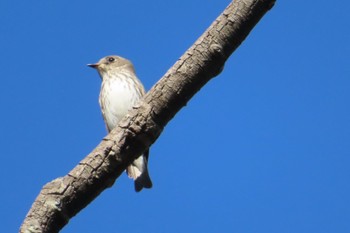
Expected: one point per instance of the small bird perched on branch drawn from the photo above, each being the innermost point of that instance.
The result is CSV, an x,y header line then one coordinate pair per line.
x,y
120,91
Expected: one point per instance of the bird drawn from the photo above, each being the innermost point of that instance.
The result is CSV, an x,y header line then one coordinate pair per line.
x,y
120,91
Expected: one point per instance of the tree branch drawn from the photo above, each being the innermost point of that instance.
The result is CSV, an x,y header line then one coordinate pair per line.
x,y
64,197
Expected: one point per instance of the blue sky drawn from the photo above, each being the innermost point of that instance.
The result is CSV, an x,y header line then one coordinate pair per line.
x,y
264,147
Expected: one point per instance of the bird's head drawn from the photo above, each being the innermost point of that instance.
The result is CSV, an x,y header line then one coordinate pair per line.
x,y
111,64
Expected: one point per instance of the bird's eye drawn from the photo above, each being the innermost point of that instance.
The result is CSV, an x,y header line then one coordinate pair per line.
x,y
111,59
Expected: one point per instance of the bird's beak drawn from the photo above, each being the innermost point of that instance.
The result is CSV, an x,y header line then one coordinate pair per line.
x,y
95,66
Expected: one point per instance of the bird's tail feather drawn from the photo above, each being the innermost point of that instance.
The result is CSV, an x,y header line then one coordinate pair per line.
x,y
139,172
143,181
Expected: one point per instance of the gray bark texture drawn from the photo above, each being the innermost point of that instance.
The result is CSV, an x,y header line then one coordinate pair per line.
x,y
62,198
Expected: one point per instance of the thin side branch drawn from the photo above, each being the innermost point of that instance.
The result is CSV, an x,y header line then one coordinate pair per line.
x,y
64,197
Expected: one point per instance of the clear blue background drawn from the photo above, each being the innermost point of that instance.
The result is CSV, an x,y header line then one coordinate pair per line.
x,y
264,147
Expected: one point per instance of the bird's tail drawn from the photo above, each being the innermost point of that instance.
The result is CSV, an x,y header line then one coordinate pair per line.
x,y
143,181
139,172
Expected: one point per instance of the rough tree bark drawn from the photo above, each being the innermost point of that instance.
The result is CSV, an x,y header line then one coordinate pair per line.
x,y
64,197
